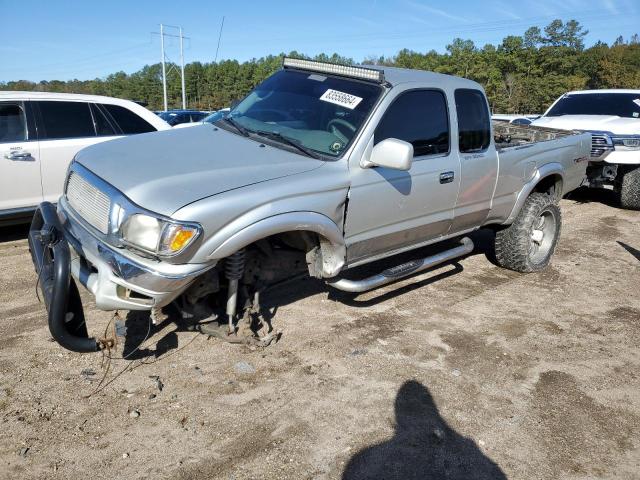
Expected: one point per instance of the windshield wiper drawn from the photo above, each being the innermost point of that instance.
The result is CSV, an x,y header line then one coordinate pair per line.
x,y
243,131
289,141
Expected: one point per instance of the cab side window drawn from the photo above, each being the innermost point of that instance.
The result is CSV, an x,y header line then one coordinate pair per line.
x,y
419,117
65,120
13,123
128,121
474,123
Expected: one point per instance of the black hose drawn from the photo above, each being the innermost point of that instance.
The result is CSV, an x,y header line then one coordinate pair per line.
x,y
66,317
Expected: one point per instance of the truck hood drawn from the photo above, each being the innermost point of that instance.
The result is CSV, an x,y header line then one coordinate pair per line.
x,y
164,171
602,123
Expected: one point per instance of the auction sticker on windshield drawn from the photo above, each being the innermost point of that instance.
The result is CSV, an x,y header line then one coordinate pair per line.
x,y
341,98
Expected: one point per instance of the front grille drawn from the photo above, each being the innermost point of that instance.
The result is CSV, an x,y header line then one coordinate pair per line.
x,y
90,203
601,145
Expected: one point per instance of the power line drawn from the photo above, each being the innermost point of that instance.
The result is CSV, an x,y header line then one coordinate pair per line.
x,y
219,38
87,60
491,26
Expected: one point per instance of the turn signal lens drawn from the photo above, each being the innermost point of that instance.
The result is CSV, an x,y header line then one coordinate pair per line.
x,y
181,239
176,237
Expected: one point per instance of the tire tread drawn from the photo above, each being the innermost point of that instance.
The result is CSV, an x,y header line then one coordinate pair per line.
x,y
630,189
512,243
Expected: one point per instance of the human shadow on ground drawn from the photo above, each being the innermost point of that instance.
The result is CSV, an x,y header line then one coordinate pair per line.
x,y
423,447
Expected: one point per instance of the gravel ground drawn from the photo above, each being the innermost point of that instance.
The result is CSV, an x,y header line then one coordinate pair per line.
x,y
467,371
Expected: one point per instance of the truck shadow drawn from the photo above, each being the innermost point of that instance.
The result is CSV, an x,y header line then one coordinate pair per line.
x,y
353,300
483,245
137,323
590,195
423,446
139,329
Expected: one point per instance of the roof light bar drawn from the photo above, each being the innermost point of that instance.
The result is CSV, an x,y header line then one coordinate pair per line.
x,y
331,68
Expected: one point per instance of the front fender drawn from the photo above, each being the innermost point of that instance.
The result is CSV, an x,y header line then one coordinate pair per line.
x,y
540,174
235,236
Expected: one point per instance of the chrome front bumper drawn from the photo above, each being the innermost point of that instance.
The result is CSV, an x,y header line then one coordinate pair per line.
x,y
117,279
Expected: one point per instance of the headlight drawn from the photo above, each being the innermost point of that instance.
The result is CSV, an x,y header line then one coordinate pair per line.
x,y
158,236
631,142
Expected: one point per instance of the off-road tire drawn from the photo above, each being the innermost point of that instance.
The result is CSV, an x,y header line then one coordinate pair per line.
x,y
515,246
628,187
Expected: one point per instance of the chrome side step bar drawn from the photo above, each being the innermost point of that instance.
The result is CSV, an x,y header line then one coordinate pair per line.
x,y
394,273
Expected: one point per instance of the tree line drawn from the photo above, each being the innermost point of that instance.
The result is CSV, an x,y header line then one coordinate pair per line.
x,y
523,74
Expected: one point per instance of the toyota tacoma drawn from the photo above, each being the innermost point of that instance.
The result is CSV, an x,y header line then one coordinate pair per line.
x,y
321,168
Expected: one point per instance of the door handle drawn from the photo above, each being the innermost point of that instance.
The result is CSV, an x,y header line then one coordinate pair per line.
x,y
19,156
446,177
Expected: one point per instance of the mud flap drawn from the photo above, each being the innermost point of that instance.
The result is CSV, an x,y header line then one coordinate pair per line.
x,y
52,260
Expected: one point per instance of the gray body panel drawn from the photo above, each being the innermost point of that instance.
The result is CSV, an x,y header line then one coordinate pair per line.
x,y
173,168
412,207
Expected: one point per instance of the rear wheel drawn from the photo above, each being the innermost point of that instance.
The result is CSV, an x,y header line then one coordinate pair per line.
x,y
527,245
628,187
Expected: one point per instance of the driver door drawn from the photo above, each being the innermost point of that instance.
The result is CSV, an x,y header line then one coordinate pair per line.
x,y
392,210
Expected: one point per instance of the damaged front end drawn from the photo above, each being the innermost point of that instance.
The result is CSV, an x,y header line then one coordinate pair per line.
x,y
52,258
65,254
224,299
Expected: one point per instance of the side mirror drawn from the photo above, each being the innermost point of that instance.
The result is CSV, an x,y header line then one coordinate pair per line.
x,y
390,153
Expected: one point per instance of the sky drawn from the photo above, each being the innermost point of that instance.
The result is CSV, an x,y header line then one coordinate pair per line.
x,y
62,40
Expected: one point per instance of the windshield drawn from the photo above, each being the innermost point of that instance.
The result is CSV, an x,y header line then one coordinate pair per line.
x,y
625,105
215,116
319,112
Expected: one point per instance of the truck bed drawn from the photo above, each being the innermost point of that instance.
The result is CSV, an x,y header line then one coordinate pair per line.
x,y
524,150
507,135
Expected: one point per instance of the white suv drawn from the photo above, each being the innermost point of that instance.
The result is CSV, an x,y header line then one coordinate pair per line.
x,y
613,118
40,133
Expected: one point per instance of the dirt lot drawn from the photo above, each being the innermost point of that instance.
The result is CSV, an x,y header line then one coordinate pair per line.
x,y
468,371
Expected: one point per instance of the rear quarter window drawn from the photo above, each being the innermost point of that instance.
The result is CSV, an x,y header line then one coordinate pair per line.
x,y
474,124
129,122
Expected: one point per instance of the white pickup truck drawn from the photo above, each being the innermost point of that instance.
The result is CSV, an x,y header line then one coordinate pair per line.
x,y
613,118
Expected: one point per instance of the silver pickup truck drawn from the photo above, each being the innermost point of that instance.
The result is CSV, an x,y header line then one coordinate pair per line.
x,y
319,169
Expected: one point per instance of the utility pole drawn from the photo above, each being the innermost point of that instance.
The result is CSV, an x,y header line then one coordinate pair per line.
x,y
184,95
164,70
